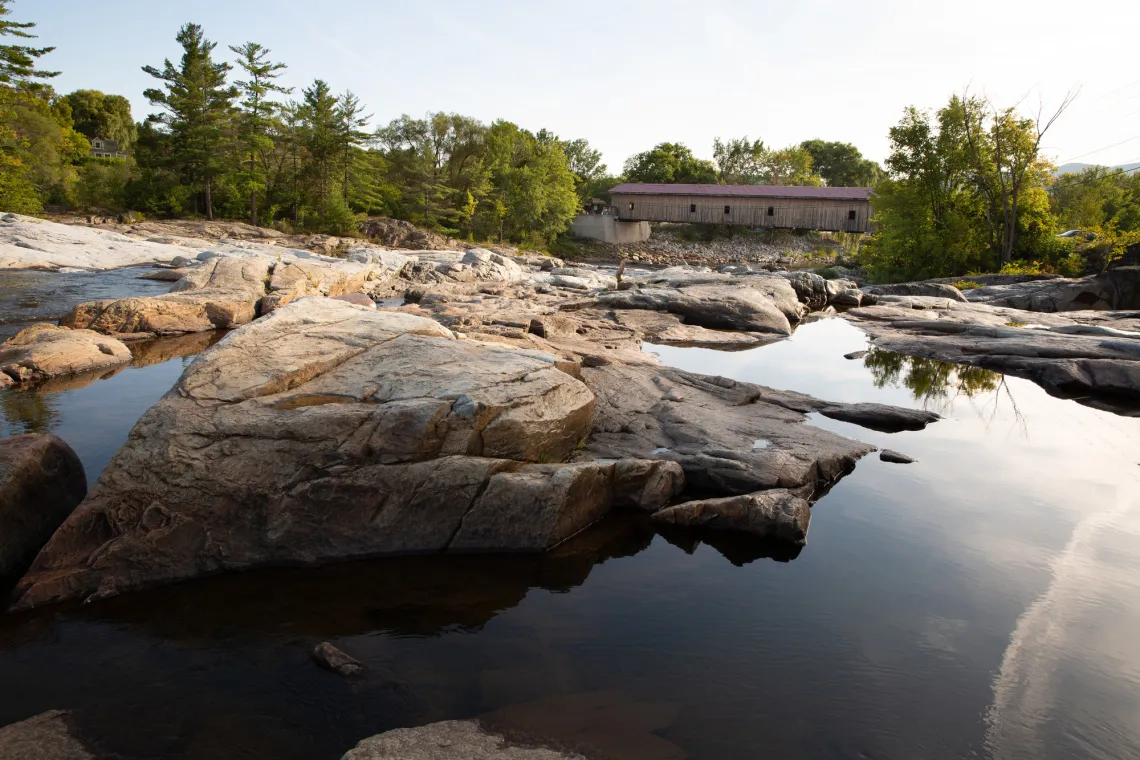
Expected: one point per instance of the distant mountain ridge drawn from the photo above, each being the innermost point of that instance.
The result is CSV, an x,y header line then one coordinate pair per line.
x,y
1077,168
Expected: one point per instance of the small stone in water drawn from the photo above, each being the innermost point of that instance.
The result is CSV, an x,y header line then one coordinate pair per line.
x,y
887,455
855,355
331,658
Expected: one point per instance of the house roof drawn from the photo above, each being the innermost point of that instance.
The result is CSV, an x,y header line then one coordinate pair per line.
x,y
748,191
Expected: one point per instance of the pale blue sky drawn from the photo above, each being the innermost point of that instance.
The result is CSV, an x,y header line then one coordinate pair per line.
x,y
630,73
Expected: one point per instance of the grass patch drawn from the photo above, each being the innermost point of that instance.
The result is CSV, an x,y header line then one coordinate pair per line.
x,y
967,285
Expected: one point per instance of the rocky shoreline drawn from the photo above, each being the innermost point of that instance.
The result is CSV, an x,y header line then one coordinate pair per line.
x,y
437,401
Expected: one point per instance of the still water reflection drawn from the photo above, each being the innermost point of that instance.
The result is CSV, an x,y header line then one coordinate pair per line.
x,y
980,603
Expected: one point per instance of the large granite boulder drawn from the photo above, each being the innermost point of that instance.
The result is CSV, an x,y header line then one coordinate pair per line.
x,y
41,482
329,431
47,736
763,305
44,351
450,740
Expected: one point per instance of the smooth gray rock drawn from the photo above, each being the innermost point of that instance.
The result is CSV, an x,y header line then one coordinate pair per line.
x,y
930,289
709,426
778,514
46,736
1096,359
765,305
885,419
890,455
1115,289
41,483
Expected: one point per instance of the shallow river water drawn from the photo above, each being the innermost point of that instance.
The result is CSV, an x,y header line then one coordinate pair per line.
x,y
981,603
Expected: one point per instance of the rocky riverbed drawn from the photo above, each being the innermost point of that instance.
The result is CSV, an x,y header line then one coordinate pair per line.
x,y
490,404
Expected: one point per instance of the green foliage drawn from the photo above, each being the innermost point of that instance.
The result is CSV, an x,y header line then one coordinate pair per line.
x,y
967,285
841,164
669,163
102,184
744,162
106,116
197,104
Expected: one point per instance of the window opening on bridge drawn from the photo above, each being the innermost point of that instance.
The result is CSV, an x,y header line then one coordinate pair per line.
x,y
692,208
851,214
726,209
771,211
631,207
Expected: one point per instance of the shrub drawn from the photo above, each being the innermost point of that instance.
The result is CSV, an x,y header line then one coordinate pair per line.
x,y
967,285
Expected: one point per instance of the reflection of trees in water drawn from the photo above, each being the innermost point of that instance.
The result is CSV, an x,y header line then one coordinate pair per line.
x,y
938,384
928,379
28,411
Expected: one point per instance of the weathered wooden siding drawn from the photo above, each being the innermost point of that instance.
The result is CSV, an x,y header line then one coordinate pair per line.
x,y
793,213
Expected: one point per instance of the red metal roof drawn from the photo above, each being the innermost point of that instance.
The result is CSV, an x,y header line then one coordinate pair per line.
x,y
750,191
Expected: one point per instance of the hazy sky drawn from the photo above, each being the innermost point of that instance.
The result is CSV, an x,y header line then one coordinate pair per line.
x,y
628,74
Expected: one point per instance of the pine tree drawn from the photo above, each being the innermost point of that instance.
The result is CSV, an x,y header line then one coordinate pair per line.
x,y
18,62
259,112
350,110
199,105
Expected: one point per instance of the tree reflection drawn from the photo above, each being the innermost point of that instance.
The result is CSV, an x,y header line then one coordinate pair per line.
x,y
928,379
28,411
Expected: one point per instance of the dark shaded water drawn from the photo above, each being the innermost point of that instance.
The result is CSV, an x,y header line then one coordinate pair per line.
x,y
983,602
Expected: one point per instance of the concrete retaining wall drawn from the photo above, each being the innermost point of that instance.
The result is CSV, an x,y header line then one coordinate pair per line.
x,y
608,229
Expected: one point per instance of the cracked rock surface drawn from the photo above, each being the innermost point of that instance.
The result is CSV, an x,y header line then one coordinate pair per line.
x,y
331,431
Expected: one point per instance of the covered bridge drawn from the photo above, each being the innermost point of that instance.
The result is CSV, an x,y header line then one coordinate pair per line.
x,y
838,209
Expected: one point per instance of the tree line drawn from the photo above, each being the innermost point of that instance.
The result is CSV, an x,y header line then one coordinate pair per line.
x,y
965,188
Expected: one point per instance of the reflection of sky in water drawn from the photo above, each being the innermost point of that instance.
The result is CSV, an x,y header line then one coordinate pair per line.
x,y
1021,506
982,602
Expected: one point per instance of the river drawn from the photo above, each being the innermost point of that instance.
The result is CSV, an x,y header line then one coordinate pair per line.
x,y
980,603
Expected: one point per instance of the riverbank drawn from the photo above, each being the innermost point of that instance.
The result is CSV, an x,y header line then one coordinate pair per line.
x,y
478,370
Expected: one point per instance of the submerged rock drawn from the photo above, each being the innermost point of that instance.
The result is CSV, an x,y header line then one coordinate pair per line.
x,y
46,736
41,482
44,351
331,658
777,513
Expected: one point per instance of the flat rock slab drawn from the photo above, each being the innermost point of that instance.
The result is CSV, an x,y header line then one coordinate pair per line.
x,y
1116,289
1076,354
41,482
44,351
710,425
328,431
